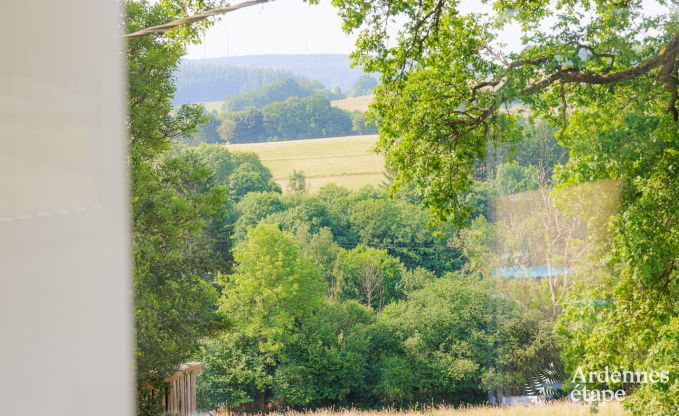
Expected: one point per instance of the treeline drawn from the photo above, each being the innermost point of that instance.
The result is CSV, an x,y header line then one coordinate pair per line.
x,y
278,91
332,70
286,109
211,82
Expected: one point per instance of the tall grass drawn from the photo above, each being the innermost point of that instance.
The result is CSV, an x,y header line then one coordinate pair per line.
x,y
552,409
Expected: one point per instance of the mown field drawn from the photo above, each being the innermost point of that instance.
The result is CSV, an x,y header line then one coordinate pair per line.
x,y
354,103
347,161
552,409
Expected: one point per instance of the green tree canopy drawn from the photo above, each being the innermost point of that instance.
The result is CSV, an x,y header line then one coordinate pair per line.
x,y
174,200
272,289
364,86
454,336
604,73
369,276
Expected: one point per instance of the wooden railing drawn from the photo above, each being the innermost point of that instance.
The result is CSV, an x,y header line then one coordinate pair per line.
x,y
181,397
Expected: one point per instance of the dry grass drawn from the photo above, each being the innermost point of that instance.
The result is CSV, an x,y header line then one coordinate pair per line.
x,y
346,161
551,409
354,103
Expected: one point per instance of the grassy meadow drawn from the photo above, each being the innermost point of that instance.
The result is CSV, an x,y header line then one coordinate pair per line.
x,y
551,409
347,161
354,103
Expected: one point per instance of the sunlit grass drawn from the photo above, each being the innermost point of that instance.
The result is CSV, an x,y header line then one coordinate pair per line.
x,y
354,103
346,161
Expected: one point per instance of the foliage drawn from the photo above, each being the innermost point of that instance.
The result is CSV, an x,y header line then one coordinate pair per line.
x,y
249,125
412,280
198,81
361,124
233,371
297,183
210,131
226,129
301,118
556,408
604,74
304,212
404,230
322,249
450,341
289,118
174,201
640,287
364,86
539,148
334,71
369,276
272,289
279,90
512,178
442,83
329,360
239,172
253,208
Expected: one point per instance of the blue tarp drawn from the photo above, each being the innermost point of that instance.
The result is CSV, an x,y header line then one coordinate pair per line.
x,y
528,272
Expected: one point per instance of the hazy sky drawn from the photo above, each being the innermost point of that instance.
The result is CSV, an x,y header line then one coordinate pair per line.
x,y
280,27
288,27
294,27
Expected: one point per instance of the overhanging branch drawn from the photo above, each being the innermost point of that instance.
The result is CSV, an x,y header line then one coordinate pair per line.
x,y
665,60
192,19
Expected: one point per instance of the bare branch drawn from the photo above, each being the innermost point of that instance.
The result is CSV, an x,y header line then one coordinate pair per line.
x,y
192,19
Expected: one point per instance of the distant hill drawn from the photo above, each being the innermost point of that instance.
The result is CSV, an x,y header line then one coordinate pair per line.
x,y
216,78
198,82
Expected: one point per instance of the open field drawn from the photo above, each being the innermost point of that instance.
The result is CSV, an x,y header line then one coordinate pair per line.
x,y
552,409
354,103
347,161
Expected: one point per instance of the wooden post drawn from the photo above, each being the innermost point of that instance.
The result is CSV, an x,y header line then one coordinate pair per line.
x,y
181,398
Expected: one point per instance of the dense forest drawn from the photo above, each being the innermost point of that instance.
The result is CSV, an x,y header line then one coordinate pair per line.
x,y
331,298
368,302
211,82
285,109
503,245
213,79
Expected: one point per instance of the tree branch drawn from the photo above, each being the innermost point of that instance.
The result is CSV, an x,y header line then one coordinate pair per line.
x,y
192,19
666,59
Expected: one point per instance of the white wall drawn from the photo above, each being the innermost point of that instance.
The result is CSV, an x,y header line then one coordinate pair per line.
x,y
65,320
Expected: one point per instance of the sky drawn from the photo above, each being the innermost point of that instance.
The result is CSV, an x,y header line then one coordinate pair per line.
x,y
288,27
295,27
279,27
